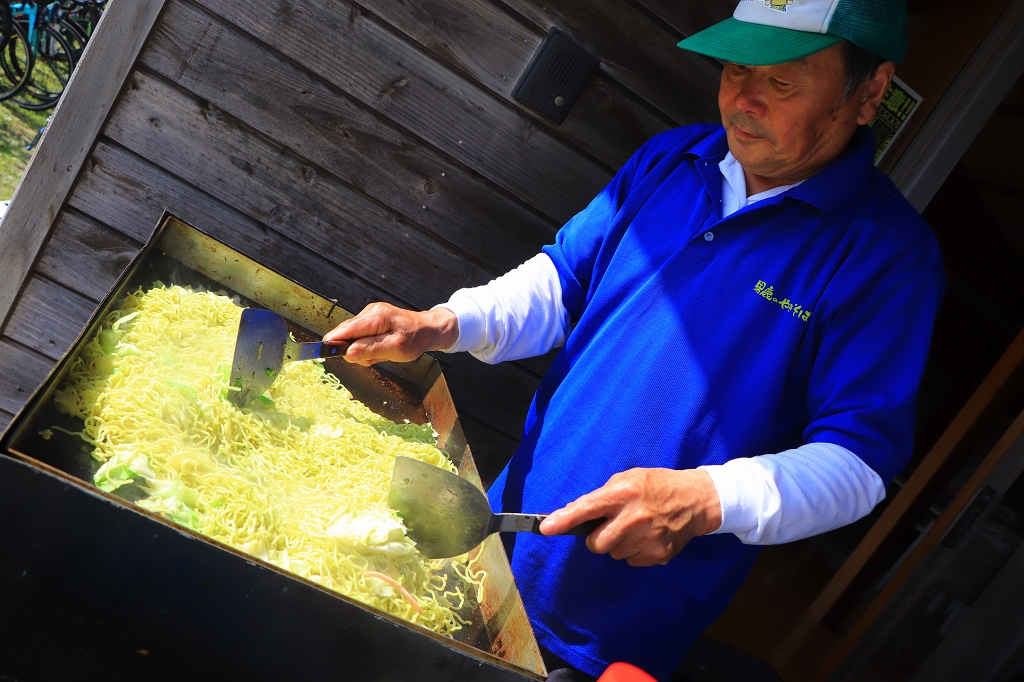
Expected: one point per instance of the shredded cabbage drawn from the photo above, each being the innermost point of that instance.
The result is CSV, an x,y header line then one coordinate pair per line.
x,y
299,479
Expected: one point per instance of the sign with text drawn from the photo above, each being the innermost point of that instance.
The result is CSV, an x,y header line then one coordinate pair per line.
x,y
893,113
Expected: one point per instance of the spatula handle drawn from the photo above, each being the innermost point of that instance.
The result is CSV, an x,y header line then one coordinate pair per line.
x,y
318,349
333,350
585,528
530,523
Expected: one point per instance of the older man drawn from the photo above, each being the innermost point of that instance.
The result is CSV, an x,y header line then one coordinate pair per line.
x,y
744,315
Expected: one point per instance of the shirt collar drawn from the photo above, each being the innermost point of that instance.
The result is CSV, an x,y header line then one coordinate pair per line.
x,y
829,189
835,185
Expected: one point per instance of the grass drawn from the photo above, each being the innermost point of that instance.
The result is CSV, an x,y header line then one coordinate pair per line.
x,y
17,128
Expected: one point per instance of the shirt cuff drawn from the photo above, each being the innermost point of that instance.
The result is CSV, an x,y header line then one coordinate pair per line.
x,y
471,322
739,491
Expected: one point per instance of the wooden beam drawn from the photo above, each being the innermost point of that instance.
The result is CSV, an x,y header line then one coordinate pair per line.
x,y
963,111
119,190
690,17
85,256
921,488
999,469
200,145
79,117
439,105
636,51
364,150
23,371
937,56
49,317
491,46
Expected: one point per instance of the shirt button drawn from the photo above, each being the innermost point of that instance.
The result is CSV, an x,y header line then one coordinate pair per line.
x,y
708,236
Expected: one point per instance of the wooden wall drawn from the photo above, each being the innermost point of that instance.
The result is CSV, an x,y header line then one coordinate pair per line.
x,y
368,149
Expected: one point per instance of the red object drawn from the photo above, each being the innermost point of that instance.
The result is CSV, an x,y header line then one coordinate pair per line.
x,y
624,672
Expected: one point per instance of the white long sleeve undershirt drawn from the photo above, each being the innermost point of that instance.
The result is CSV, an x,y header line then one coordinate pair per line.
x,y
766,499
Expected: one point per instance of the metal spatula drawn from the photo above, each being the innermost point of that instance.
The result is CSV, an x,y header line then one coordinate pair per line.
x,y
262,347
447,515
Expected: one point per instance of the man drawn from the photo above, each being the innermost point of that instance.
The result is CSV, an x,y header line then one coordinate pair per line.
x,y
744,315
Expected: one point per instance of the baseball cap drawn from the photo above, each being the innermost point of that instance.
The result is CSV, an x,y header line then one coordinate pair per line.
x,y
763,32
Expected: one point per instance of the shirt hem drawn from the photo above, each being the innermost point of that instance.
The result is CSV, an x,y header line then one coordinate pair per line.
x,y
589,665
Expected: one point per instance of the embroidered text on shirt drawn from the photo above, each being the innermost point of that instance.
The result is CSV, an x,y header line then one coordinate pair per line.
x,y
767,292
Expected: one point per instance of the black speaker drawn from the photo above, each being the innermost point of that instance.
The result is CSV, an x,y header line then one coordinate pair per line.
x,y
555,76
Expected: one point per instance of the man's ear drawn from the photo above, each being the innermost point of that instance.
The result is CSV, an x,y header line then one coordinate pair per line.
x,y
873,90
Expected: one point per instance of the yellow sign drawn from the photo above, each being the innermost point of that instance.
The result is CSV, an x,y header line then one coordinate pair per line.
x,y
893,113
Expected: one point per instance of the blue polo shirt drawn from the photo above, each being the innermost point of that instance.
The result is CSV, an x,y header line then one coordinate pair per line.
x,y
695,339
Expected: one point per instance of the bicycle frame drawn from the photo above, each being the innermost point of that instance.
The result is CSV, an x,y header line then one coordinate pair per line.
x,y
31,11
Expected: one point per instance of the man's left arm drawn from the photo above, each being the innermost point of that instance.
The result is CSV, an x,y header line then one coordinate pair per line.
x,y
765,500
861,407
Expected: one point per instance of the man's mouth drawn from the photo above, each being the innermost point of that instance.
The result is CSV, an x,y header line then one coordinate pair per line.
x,y
748,131
742,134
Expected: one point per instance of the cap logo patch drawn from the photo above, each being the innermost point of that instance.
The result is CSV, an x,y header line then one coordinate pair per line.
x,y
779,5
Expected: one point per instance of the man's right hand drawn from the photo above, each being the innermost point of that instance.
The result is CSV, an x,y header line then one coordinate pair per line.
x,y
383,332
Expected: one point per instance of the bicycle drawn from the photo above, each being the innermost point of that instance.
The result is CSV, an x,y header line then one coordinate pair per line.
x,y
45,61
5,23
51,34
15,43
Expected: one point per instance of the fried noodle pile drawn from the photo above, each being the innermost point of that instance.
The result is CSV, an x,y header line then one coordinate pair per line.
x,y
300,479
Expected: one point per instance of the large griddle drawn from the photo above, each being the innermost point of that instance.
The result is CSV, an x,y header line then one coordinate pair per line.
x,y
93,587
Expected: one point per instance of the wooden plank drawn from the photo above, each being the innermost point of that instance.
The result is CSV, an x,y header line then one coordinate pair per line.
x,y
206,148
690,17
496,394
931,475
129,194
492,449
361,148
126,190
49,318
636,51
5,420
90,94
999,469
85,256
487,44
936,57
23,371
411,88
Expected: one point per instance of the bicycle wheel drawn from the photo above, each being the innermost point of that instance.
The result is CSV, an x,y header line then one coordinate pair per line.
x,y
16,62
75,36
53,66
5,23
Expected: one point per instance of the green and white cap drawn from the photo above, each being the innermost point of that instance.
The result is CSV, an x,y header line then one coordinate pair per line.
x,y
763,32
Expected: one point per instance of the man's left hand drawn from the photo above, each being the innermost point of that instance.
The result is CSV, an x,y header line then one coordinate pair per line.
x,y
652,514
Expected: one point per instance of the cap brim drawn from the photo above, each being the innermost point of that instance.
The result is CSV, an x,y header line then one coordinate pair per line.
x,y
750,44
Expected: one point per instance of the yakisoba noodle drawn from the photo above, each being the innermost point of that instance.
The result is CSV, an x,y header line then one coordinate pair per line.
x,y
299,480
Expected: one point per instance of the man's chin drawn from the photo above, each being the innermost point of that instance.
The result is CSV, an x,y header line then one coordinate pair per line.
x,y
751,153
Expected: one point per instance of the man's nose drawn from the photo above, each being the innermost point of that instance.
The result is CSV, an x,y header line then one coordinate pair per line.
x,y
750,97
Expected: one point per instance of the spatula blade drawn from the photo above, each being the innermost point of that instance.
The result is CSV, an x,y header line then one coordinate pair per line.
x,y
259,354
445,515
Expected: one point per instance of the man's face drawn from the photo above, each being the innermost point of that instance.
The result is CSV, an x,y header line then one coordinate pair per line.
x,y
787,121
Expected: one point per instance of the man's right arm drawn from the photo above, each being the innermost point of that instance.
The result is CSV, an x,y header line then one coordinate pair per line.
x,y
517,315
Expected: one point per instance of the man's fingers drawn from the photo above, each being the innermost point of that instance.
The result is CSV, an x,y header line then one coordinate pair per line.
x,y
586,508
366,351
641,560
610,539
357,328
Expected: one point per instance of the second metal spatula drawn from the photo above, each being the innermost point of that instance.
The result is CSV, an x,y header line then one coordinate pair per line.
x,y
447,515
262,347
